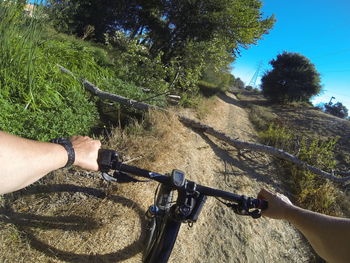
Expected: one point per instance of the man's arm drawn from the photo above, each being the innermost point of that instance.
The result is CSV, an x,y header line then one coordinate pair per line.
x,y
24,161
329,236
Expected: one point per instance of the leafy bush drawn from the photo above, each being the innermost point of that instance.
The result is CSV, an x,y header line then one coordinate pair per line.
x,y
256,90
310,190
239,83
293,78
261,117
313,192
337,109
277,136
208,89
221,78
133,63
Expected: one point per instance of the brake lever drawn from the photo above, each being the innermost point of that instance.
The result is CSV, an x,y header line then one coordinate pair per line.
x,y
239,210
108,178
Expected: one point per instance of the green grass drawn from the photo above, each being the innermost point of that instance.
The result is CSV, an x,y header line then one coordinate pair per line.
x,y
37,100
260,116
208,89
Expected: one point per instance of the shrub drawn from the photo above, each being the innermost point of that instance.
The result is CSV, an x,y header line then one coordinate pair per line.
x,y
261,117
239,83
208,89
277,136
337,109
293,78
310,190
313,192
219,78
256,90
133,63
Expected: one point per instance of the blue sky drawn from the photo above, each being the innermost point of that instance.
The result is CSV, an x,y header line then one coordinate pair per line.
x,y
36,1
317,29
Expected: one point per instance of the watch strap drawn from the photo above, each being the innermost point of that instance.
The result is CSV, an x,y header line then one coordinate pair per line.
x,y
69,148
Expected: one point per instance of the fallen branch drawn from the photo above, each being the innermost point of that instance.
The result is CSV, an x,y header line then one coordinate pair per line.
x,y
113,97
342,173
262,148
211,131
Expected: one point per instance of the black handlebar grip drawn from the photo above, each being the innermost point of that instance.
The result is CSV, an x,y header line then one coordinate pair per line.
x,y
263,204
260,204
105,159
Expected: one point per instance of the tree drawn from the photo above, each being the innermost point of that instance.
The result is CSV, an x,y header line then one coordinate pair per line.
x,y
337,109
239,83
235,23
71,16
293,78
188,35
169,25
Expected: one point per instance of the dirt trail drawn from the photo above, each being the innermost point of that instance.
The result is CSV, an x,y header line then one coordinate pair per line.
x,y
220,235
111,215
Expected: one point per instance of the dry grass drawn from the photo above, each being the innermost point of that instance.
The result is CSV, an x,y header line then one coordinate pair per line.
x,y
300,120
205,106
147,140
261,116
73,216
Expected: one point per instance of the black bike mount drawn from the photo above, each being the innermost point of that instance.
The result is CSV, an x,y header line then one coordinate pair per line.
x,y
200,201
189,204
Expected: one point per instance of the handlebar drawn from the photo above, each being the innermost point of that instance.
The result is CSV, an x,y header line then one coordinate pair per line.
x,y
109,160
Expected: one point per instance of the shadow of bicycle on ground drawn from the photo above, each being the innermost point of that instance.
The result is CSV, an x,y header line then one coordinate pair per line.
x,y
26,222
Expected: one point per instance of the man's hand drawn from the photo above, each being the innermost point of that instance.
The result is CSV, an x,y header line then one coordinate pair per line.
x,y
279,205
86,152
329,236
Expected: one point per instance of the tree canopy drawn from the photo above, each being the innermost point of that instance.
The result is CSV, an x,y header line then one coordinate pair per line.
x,y
187,36
293,78
169,25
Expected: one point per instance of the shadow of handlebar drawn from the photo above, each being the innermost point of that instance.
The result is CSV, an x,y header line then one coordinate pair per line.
x,y
24,221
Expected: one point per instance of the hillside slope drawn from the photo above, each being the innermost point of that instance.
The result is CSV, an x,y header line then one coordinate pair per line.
x,y
308,121
84,220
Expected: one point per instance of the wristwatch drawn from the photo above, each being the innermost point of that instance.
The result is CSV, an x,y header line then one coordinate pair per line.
x,y
69,148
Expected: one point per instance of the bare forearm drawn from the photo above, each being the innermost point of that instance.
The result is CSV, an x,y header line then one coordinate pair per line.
x,y
329,236
24,161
